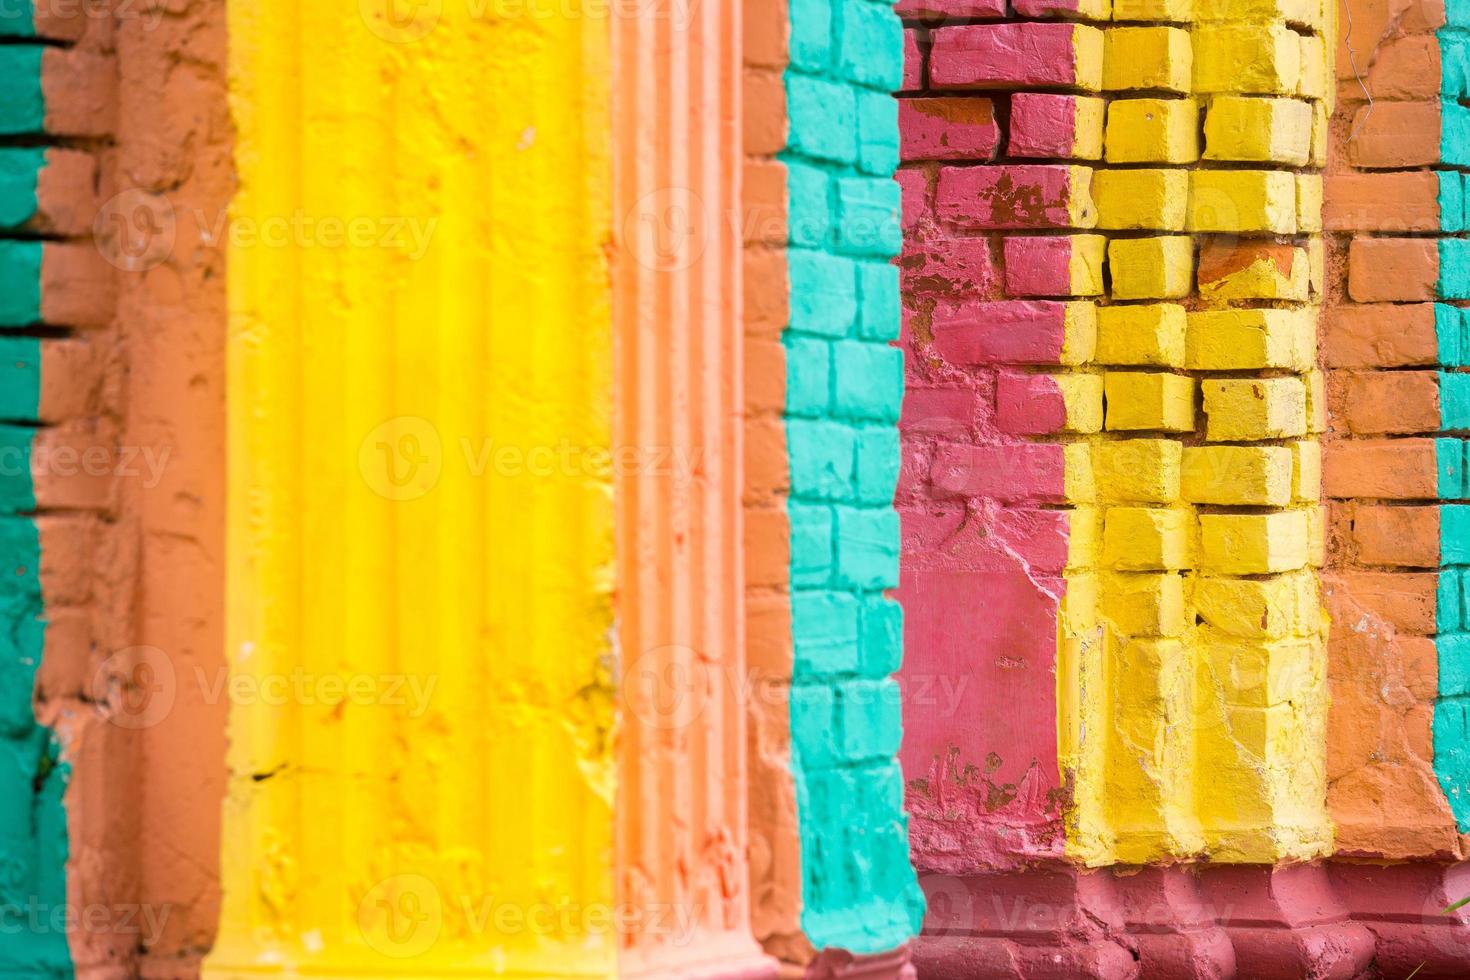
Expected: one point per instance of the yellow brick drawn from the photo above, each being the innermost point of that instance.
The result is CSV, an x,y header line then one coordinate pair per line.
x,y
1094,9
1242,476
1275,272
1079,604
1306,471
1316,266
1320,136
1082,394
1295,11
1253,544
1241,340
1154,200
1316,536
1259,673
1258,130
1247,59
1242,200
1316,401
1081,212
1279,606
1087,45
1247,409
1084,537
1149,401
1087,141
1153,131
1144,604
1079,481
1152,334
1175,11
1079,332
1152,268
1144,470
1146,58
1308,202
1086,267
1138,539
1312,73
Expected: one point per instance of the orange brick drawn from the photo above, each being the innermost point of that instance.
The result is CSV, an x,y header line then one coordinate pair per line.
x,y
765,292
765,33
763,219
1406,537
768,563
1395,134
1379,335
1392,269
1385,402
1404,69
1381,469
1404,600
764,114
1381,202
765,376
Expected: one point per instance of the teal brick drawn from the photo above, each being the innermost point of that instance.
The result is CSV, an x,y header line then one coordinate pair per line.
x,y
867,381
1451,200
18,18
809,211
871,718
870,45
808,375
16,494
867,547
822,458
1450,458
1454,56
811,545
822,119
1448,334
1454,400
823,292
1449,614
1454,664
1454,133
19,167
824,632
867,218
20,378
20,281
1452,717
879,310
878,459
877,114
810,46
881,646
1454,268
1457,13
813,724
1454,534
22,106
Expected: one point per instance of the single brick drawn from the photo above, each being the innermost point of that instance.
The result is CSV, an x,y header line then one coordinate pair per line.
x,y
960,128
1306,470
1139,400
1405,600
1390,402
811,544
913,60
876,469
1141,539
1253,544
870,45
1086,9
1152,334
1006,473
1308,202
1056,126
1234,270
808,375
945,265
1383,202
1014,332
1258,130
1239,476
866,216
867,547
1454,401
1043,404
1270,607
1384,335
1025,55
1159,267
1017,196
877,114
1395,134
1142,470
949,9
1177,11
1246,339
1153,131
1145,603
1454,268
822,119
1146,58
1246,409
824,631
821,457
1242,200
878,301
881,636
809,45
1406,537
1152,200
1392,269
1382,469
823,292
1246,59
1061,265
1449,455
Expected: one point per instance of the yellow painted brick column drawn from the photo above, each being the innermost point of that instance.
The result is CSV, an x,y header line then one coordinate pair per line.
x,y
420,500
1194,641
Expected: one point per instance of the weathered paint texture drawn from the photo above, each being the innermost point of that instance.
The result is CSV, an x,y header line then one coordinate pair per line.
x,y
844,385
419,495
681,828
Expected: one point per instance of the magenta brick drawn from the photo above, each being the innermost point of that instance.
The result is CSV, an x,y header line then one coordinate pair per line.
x,y
956,128
1029,404
913,188
913,60
938,411
1038,266
1037,537
1003,56
1021,471
1042,125
1019,196
945,9
1006,332
949,265
1045,8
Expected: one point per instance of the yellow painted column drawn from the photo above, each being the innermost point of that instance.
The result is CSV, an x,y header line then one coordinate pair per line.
x,y
420,540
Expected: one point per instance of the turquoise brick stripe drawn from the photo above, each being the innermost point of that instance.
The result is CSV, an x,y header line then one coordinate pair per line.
x,y
844,387
18,18
33,835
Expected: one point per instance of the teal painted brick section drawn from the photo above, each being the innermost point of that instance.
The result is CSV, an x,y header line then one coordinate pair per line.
x,y
22,106
1454,133
20,378
1449,613
18,18
844,396
20,282
1454,268
1450,458
1449,334
1454,56
19,169
1451,200
1454,401
1457,13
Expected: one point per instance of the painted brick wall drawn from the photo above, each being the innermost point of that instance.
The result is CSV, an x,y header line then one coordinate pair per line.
x,y
844,385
